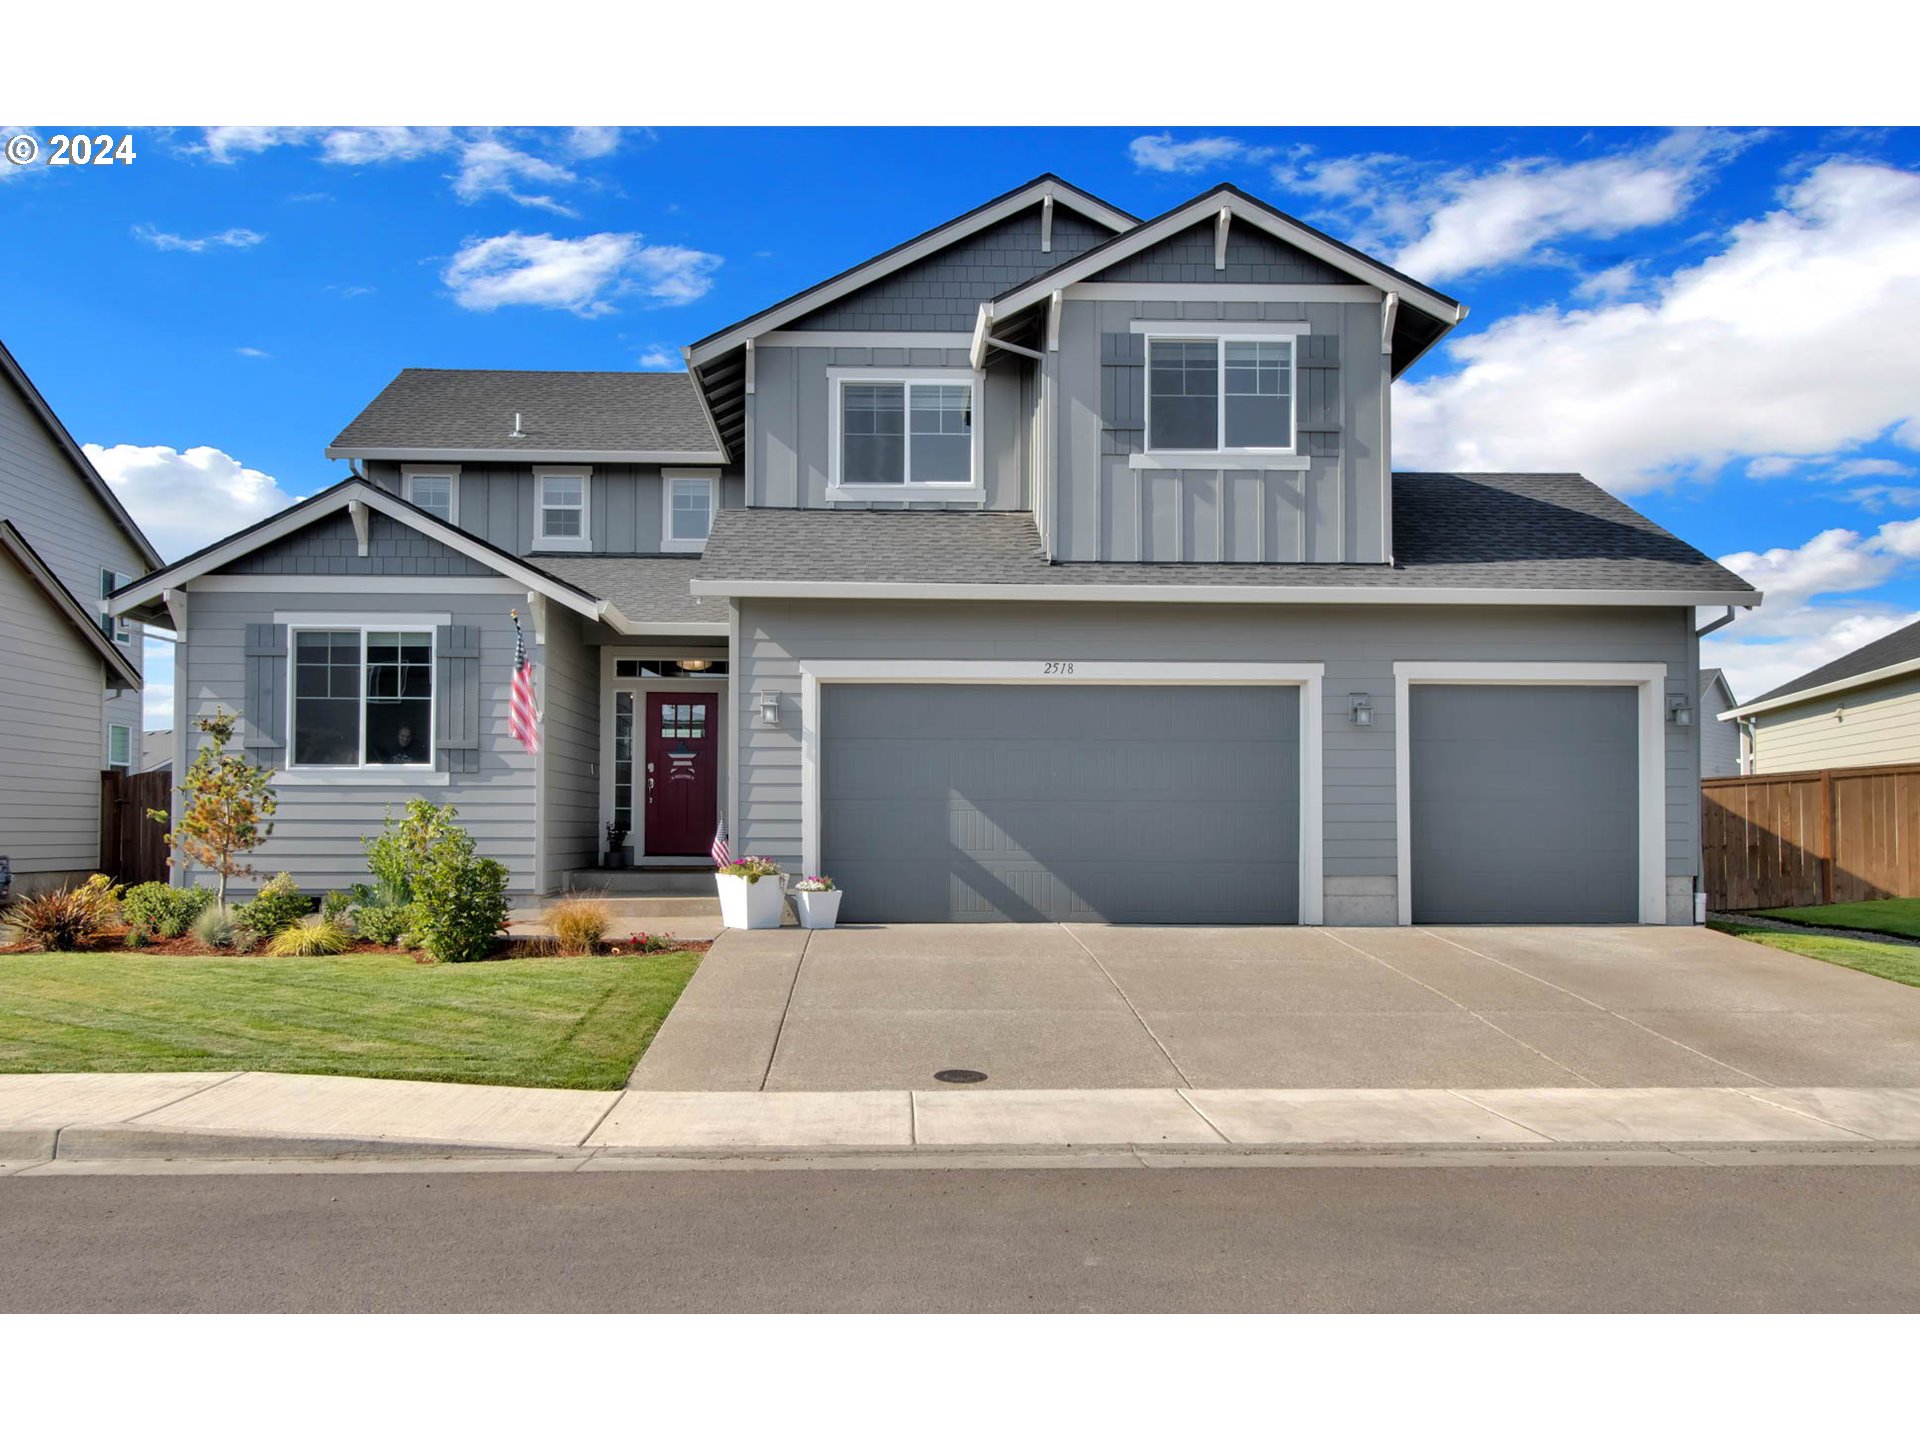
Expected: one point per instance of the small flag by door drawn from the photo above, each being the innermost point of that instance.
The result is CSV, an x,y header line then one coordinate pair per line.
x,y
721,855
523,718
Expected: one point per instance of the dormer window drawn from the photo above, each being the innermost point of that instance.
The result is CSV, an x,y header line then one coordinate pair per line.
x,y
902,434
435,491
1209,394
562,498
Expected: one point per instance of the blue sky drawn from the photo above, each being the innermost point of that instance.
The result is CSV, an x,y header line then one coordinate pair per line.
x,y
1718,325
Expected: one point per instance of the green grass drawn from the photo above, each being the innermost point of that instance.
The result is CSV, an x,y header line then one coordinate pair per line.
x,y
1875,957
1889,917
577,1023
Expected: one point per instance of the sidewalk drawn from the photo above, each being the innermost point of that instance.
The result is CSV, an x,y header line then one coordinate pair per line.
x,y
262,1116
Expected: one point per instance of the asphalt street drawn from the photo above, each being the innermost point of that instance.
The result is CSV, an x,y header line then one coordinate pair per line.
x,y
1799,1237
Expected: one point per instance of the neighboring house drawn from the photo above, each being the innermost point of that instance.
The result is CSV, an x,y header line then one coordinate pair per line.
x,y
70,702
1050,565
1862,709
156,750
1719,737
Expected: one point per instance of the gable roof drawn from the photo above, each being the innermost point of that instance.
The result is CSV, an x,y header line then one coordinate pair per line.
x,y
1462,539
1709,679
1442,312
583,416
1884,659
24,555
57,431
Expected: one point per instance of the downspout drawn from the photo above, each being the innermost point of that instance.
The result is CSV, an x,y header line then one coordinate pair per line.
x,y
1713,625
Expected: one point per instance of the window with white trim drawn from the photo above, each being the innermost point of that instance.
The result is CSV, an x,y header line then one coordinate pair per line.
x,y
116,627
437,493
688,516
1221,393
560,509
119,747
362,696
904,431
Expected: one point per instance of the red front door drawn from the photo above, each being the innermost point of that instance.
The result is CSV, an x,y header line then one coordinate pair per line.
x,y
683,766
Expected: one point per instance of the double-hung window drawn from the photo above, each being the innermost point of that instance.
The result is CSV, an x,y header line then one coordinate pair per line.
x,y
117,628
903,432
1220,393
435,491
362,696
561,509
688,512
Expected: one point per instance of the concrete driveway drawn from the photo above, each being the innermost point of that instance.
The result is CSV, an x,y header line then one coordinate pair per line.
x,y
1092,1006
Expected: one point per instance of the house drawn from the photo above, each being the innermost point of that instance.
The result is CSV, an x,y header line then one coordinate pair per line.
x,y
1862,709
156,750
1719,736
1049,565
70,705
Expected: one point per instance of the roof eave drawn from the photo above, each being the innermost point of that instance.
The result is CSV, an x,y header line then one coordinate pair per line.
x,y
1818,692
1222,594
452,454
62,600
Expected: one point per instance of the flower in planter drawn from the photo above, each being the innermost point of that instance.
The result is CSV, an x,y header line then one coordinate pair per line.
x,y
816,884
750,868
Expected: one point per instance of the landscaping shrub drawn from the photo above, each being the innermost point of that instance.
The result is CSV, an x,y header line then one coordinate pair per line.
x,y
311,935
460,900
245,941
335,904
398,854
163,909
383,924
578,923
68,918
278,904
213,928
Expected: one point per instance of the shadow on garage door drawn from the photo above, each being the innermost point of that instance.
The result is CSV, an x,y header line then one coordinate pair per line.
x,y
1145,804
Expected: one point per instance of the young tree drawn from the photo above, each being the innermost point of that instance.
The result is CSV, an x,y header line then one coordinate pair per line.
x,y
229,806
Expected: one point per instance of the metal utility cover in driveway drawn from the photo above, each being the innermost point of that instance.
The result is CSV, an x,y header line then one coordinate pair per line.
x,y
1525,804
1134,803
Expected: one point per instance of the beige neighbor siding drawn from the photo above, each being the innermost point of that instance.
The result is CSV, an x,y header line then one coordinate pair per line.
x,y
1874,725
50,789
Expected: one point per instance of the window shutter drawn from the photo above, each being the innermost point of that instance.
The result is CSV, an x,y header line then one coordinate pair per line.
x,y
1123,394
264,733
458,703
1318,360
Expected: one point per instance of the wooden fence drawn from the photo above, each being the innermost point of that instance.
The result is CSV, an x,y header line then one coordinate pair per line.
x,y
1810,837
132,849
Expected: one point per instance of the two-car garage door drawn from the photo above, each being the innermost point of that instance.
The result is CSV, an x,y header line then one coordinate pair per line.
x,y
1135,803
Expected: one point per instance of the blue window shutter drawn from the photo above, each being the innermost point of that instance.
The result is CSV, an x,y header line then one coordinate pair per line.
x,y
458,648
264,726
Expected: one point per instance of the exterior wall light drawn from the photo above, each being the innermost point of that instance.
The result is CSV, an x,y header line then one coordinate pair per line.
x,y
767,704
1679,710
1360,708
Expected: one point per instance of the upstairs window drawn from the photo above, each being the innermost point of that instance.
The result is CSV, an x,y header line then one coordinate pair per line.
x,y
904,431
436,492
1220,393
561,515
688,516
117,628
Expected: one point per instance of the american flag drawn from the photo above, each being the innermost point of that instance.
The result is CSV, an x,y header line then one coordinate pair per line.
x,y
721,855
523,719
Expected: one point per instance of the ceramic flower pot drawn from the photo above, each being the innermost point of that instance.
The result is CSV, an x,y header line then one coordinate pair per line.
x,y
749,904
817,909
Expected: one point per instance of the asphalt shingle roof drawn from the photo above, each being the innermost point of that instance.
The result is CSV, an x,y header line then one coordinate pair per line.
x,y
644,587
1524,532
1894,649
587,410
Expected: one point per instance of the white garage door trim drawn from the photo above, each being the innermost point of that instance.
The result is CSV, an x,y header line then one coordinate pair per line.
x,y
1650,682
815,673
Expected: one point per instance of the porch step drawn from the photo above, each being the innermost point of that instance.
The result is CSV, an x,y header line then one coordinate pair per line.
x,y
648,881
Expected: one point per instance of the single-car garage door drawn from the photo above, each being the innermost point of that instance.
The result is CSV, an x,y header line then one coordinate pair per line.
x,y
1151,804
1525,804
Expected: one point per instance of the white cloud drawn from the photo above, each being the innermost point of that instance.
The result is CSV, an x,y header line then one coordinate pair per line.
x,y
658,357
1610,283
225,144
584,275
381,144
590,142
237,238
1167,156
1772,467
1876,498
1791,340
1869,465
251,353
488,167
185,499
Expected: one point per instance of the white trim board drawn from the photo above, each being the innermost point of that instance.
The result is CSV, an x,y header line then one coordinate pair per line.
x,y
869,339
359,584
1308,677
436,453
1816,692
1215,290
1649,680
974,489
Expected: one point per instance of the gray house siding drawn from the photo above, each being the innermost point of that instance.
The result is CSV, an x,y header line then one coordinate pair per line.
x,y
1358,645
496,504
1719,739
569,692
944,291
1253,258
331,546
790,412
50,715
1334,511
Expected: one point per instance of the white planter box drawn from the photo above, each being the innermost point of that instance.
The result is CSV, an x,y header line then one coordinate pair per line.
x,y
749,904
816,909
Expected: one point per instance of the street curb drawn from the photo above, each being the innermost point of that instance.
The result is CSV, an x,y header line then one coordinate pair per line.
x,y
37,1144
144,1142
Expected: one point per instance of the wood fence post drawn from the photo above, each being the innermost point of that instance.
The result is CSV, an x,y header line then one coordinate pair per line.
x,y
1826,837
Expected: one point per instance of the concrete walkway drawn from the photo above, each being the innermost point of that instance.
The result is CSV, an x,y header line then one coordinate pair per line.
x,y
1067,1007
117,1117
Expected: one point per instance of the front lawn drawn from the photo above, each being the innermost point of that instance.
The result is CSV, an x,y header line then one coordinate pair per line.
x,y
1889,917
1875,957
577,1023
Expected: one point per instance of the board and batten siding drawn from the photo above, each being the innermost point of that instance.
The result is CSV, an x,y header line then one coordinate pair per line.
x,y
50,715
1357,644
1874,725
1105,509
497,500
318,829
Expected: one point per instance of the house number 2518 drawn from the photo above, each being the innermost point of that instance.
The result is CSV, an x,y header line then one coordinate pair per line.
x,y
1058,667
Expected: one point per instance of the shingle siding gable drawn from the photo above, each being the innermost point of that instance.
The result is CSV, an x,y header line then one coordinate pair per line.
x,y
331,547
1253,258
